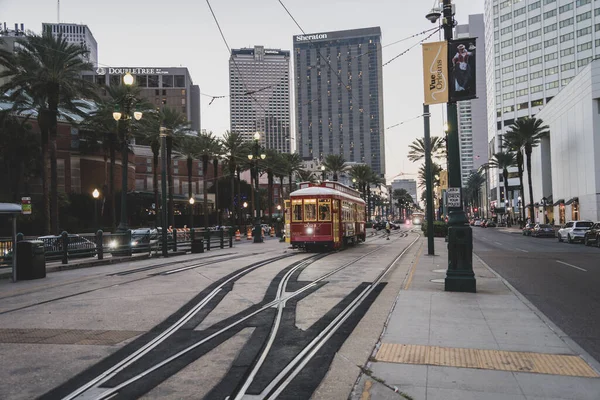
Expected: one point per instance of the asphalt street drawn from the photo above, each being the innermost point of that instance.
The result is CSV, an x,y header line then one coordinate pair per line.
x,y
561,279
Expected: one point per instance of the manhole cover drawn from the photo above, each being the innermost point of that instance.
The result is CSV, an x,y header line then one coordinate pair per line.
x,y
438,280
439,270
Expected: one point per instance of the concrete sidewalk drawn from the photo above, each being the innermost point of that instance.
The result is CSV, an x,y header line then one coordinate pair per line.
x,y
493,344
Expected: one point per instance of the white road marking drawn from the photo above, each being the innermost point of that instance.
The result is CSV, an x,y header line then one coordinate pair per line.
x,y
571,265
498,243
524,251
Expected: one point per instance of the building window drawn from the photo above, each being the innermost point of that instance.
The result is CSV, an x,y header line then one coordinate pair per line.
x,y
584,16
552,85
567,66
565,8
507,96
179,81
523,51
507,82
549,14
566,22
507,56
584,61
566,81
584,46
597,42
535,61
506,43
551,56
584,31
508,69
550,42
505,17
597,12
167,81
522,92
521,65
537,103
551,71
520,11
509,109
520,38
520,79
568,36
550,28
535,19
153,81
536,33
506,30
520,25
567,52
523,106
535,5
537,88
580,3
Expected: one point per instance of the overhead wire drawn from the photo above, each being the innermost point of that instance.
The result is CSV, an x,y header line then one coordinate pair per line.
x,y
393,43
411,47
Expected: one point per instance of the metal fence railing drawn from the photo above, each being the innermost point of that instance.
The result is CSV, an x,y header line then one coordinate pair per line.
x,y
67,247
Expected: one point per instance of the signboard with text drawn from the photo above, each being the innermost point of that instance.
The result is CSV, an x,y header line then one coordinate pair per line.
x,y
26,205
453,197
435,72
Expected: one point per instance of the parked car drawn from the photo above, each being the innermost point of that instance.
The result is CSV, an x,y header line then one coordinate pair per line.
x,y
78,246
490,224
527,229
574,231
543,230
477,222
142,238
592,236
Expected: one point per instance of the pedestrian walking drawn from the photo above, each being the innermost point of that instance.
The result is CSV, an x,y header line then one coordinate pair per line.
x,y
387,230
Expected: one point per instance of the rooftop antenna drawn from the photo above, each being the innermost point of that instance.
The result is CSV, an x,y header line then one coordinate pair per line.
x,y
58,11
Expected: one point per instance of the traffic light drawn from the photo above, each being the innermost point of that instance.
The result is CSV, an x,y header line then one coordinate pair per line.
x,y
475,209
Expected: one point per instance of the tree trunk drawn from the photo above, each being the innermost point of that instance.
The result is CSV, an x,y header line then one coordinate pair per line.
x,y
520,169
290,183
171,206
239,197
53,179
335,176
281,196
232,210
528,150
43,121
155,156
369,202
190,191
216,185
205,188
270,195
253,195
111,189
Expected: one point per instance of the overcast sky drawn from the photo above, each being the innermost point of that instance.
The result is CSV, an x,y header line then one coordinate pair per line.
x,y
151,33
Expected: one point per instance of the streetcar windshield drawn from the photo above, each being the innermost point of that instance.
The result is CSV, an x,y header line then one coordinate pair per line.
x,y
310,209
324,210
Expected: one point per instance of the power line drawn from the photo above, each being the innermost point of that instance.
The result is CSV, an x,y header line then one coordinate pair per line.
x,y
393,43
412,47
404,122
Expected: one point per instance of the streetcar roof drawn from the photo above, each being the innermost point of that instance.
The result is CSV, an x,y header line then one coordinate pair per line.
x,y
323,191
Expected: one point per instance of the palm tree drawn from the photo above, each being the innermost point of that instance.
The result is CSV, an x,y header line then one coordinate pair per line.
x,y
473,186
530,131
334,163
306,176
48,70
403,199
292,163
206,150
513,144
187,146
217,152
436,169
503,161
176,125
417,149
361,173
272,163
233,155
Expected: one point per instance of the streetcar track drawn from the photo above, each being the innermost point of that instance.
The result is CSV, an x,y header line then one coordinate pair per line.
x,y
276,302
140,352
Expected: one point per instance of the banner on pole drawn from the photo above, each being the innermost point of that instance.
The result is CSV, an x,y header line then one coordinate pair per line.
x,y
435,72
461,57
26,205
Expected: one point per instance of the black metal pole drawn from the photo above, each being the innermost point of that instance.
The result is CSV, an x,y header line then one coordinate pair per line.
x,y
459,276
428,181
96,214
257,227
124,166
163,174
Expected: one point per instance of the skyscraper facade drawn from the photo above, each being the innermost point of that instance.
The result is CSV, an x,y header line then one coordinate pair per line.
x,y
472,114
259,89
76,34
533,49
339,96
410,185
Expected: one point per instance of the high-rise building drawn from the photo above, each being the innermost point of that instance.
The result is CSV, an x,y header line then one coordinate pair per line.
x,y
8,41
76,34
259,89
410,185
171,87
472,114
339,96
534,48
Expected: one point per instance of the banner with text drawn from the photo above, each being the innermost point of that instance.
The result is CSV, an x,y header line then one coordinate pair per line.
x,y
461,56
435,72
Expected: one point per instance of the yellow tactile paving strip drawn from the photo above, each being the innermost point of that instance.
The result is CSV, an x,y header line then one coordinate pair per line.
x,y
538,363
65,336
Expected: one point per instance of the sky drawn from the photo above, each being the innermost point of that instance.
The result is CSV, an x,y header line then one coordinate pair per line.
x,y
151,33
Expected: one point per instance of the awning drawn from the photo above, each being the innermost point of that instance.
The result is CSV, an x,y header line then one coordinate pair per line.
x,y
558,202
573,200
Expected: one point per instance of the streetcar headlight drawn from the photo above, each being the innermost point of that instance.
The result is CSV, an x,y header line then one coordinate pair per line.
x,y
113,244
417,221
134,243
309,231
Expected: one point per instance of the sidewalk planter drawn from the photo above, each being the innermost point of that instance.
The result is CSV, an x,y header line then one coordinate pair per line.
x,y
440,229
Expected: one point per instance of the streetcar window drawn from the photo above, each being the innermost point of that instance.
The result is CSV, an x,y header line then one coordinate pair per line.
x,y
324,210
310,210
296,210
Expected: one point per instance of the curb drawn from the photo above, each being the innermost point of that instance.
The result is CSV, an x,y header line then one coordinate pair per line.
x,y
577,349
96,263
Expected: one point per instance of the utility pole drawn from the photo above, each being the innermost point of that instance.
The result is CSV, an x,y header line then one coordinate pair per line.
x,y
459,276
163,175
428,181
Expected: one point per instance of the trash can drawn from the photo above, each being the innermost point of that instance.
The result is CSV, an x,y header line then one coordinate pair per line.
x,y
198,244
31,261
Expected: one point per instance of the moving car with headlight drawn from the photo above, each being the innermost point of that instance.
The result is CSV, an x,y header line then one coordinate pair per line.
x,y
328,215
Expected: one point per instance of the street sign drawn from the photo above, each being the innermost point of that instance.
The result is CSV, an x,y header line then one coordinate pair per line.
x,y
26,205
453,197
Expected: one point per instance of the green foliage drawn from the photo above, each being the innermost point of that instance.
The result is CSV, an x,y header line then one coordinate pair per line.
x,y
440,229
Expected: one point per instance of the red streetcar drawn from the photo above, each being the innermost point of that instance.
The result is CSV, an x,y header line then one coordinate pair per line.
x,y
328,215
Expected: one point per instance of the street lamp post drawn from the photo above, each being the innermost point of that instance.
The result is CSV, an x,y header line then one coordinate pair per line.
x,y
459,275
95,195
192,201
245,205
255,156
163,177
323,176
128,102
